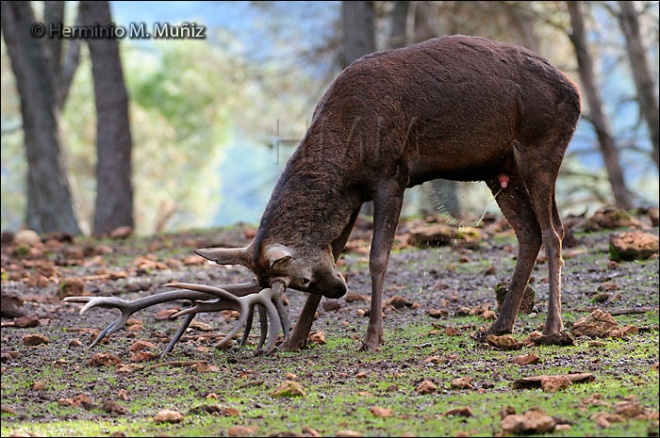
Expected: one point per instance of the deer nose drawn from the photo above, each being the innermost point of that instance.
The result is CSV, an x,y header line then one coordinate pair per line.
x,y
337,288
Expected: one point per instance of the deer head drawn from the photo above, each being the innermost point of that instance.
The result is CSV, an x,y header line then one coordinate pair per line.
x,y
310,269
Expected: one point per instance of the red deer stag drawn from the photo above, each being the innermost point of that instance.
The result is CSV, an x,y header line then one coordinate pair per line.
x,y
456,107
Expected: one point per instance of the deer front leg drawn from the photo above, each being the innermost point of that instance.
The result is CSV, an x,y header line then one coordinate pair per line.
x,y
300,332
387,207
298,337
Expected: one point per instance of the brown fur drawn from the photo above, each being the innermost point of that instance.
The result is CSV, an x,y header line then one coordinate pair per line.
x,y
456,107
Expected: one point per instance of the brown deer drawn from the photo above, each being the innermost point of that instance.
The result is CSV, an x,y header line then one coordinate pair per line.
x,y
456,107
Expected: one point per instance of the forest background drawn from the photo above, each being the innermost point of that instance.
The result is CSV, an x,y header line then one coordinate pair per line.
x,y
180,133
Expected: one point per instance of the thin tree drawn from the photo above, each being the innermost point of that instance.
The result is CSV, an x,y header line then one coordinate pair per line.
x,y
65,60
49,199
358,39
358,27
399,24
596,115
641,73
114,191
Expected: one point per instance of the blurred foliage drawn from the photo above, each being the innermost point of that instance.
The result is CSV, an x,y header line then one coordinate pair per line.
x,y
182,110
195,101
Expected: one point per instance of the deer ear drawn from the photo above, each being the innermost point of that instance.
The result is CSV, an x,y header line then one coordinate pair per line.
x,y
278,254
225,256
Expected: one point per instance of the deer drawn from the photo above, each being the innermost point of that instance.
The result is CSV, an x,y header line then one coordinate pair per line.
x,y
455,107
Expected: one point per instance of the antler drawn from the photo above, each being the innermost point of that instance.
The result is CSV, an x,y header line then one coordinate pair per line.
x,y
270,307
241,298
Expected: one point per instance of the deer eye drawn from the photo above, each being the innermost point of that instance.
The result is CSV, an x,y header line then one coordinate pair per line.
x,y
306,282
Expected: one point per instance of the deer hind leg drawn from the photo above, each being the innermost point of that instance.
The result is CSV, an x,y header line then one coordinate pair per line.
x,y
516,206
298,337
539,173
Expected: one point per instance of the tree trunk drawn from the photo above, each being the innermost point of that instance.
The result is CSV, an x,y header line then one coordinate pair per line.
x,y
646,96
358,26
49,203
359,39
114,192
622,196
399,22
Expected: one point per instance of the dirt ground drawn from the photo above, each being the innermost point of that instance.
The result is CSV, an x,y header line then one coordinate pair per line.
x,y
449,278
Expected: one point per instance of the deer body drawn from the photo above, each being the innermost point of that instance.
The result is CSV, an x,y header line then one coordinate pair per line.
x,y
456,107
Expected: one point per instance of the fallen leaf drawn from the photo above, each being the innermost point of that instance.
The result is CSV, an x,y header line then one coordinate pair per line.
x,y
168,416
426,387
34,340
464,411
71,286
38,386
242,430
166,314
504,342
462,383
206,368
605,419
26,321
381,412
537,381
533,421
65,402
489,315
629,409
351,297
437,313
113,407
288,389
141,345
398,302
104,360
317,337
555,383
215,410
306,430
124,368
526,359
84,401
453,331
433,359
347,433
143,356
598,324
331,305
6,409
201,326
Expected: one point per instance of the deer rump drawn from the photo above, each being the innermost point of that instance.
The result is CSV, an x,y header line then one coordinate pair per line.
x,y
456,107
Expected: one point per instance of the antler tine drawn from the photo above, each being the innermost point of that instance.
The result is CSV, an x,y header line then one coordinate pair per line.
x,y
214,306
127,308
270,306
238,289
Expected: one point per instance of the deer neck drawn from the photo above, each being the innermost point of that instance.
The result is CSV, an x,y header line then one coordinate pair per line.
x,y
311,203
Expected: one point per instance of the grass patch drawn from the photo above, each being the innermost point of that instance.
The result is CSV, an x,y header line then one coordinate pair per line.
x,y
342,386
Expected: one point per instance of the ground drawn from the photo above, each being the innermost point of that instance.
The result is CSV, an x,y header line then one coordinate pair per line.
x,y
431,378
